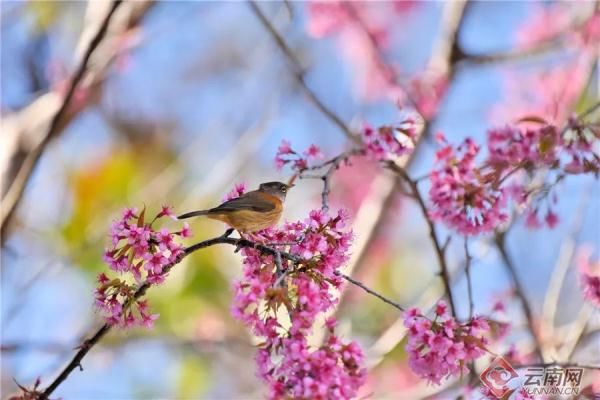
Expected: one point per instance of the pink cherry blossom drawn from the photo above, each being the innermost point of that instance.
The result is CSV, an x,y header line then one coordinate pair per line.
x,y
442,347
589,276
461,196
291,367
137,250
313,152
238,190
389,141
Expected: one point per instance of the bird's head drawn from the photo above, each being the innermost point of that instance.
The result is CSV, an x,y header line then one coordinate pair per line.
x,y
278,189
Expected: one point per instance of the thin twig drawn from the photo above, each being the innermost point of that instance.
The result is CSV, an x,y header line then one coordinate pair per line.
x,y
299,72
553,43
387,71
17,187
370,291
334,165
223,239
468,259
500,241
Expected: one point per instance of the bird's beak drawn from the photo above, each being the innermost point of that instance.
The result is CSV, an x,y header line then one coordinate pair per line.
x,y
290,183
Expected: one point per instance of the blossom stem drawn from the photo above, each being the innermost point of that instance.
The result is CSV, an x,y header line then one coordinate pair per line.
x,y
87,344
299,72
519,291
468,259
334,165
371,291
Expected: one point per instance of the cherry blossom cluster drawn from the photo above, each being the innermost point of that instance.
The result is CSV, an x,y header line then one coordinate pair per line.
x,y
389,141
589,275
472,197
238,190
511,145
141,253
571,151
442,347
461,196
298,161
301,290
382,143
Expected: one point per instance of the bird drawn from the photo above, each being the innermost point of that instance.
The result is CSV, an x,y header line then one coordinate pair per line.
x,y
252,211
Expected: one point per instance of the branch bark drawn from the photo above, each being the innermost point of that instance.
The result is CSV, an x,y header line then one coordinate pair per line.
x,y
26,134
500,241
299,72
15,190
439,248
88,344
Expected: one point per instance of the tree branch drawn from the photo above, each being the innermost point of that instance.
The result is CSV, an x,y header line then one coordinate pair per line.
x,y
371,291
299,72
334,165
17,186
519,291
439,249
468,260
88,344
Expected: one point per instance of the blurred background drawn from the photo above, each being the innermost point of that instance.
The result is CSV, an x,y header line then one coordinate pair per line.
x,y
181,100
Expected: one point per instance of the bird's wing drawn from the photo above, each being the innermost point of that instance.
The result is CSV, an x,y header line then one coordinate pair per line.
x,y
254,201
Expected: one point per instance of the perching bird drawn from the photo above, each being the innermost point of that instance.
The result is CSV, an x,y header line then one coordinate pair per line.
x,y
252,211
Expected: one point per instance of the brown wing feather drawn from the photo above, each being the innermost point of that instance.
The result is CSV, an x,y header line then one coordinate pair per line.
x,y
254,201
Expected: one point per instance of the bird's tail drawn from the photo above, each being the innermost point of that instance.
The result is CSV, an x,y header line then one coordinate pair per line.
x,y
193,214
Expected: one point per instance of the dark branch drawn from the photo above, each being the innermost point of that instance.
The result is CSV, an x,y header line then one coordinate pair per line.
x,y
223,239
519,291
370,291
17,186
334,165
468,259
299,72
439,248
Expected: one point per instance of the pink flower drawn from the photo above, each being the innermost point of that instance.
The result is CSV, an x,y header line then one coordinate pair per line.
x,y
137,249
280,162
510,146
441,308
442,348
155,262
333,370
461,195
103,279
286,155
164,239
387,142
285,148
531,220
589,276
313,152
551,219
166,211
186,231
129,213
238,190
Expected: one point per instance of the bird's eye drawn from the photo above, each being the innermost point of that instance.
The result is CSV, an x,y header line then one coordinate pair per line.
x,y
284,189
